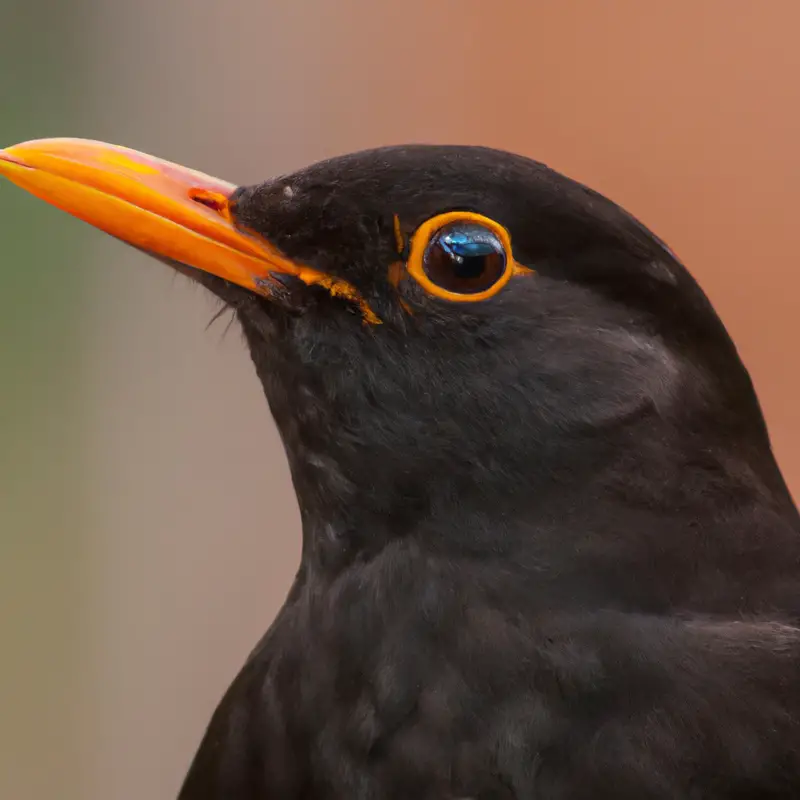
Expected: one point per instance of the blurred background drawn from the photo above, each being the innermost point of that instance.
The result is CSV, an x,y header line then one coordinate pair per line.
x,y
148,530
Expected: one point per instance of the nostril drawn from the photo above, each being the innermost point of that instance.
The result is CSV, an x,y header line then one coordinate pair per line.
x,y
213,200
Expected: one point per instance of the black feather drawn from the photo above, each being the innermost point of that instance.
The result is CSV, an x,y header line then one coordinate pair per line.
x,y
548,552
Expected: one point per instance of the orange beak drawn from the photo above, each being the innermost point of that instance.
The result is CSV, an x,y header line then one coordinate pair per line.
x,y
170,211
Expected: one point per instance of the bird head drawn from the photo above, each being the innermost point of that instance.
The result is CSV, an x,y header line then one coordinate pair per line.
x,y
443,333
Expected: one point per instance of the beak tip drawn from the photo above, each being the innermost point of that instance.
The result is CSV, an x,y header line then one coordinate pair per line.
x,y
7,157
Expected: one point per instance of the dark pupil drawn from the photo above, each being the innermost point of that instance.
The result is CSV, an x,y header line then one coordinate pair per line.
x,y
464,258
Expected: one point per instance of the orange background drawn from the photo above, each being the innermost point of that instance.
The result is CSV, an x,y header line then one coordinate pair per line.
x,y
182,527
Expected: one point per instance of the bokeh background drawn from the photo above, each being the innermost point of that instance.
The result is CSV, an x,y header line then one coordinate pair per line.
x,y
148,529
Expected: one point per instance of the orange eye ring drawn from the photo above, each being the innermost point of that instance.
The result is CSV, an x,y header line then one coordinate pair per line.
x,y
422,237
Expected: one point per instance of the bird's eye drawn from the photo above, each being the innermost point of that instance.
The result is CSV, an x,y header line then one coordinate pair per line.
x,y
465,258
461,256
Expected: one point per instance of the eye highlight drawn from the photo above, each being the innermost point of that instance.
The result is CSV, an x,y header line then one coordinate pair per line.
x,y
462,256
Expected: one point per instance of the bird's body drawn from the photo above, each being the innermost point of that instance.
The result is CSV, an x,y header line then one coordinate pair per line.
x,y
547,551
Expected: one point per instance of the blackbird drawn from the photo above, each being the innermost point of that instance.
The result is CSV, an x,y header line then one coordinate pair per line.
x,y
547,550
